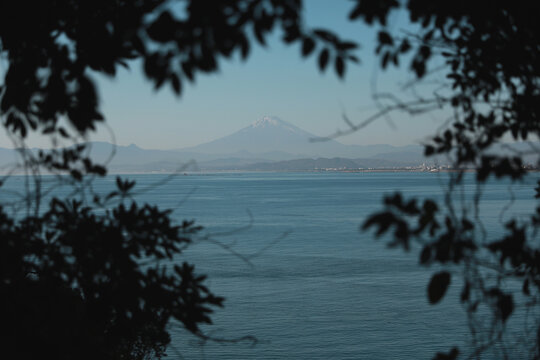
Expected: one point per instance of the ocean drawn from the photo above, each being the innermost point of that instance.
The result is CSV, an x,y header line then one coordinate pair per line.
x,y
286,252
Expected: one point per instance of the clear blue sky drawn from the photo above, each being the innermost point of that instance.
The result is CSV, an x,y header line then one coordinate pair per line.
x,y
273,81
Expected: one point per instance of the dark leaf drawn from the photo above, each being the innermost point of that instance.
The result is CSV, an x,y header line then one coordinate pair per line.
x,y
307,46
63,132
257,29
176,84
244,47
49,130
353,58
451,355
76,174
326,35
429,150
465,293
405,46
187,69
505,304
385,38
99,170
323,59
340,66
385,59
355,13
437,286
347,45
525,287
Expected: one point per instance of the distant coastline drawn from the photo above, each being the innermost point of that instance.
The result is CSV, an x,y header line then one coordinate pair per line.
x,y
233,171
240,171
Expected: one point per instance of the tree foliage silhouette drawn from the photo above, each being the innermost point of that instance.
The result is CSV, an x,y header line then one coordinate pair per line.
x,y
86,278
72,278
491,56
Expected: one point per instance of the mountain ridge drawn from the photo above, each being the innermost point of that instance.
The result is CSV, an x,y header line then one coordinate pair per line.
x,y
270,133
268,143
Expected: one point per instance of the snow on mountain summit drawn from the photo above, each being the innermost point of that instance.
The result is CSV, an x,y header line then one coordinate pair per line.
x,y
275,122
267,121
271,134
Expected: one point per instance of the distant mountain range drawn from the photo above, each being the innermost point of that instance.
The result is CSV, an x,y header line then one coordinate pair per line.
x,y
273,135
267,144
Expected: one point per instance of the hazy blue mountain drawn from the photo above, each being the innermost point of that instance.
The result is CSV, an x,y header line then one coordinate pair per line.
x,y
268,144
135,159
269,139
270,134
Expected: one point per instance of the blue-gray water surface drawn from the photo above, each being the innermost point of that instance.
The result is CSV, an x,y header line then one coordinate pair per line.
x,y
315,287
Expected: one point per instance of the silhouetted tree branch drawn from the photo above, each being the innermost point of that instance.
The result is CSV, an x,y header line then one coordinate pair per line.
x,y
491,52
88,276
70,277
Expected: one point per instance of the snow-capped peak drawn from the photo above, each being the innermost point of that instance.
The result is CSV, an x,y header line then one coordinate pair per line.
x,y
267,121
273,122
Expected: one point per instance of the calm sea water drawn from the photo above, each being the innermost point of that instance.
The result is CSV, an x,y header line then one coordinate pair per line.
x,y
315,287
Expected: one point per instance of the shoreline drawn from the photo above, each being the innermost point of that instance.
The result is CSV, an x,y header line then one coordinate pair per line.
x,y
234,171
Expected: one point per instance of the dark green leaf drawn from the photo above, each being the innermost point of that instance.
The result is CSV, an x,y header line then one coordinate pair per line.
x,y
76,174
465,293
176,84
347,45
525,287
323,59
307,46
429,150
63,132
437,286
506,306
385,38
451,355
340,66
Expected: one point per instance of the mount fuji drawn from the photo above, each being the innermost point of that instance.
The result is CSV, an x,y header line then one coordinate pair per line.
x,y
270,134
267,144
268,140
